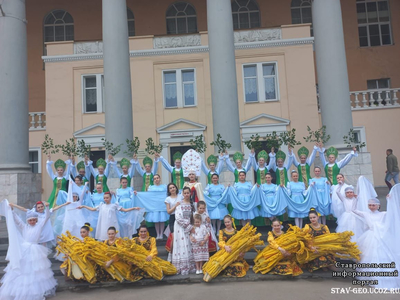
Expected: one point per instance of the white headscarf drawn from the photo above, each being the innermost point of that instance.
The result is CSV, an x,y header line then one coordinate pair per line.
x,y
31,215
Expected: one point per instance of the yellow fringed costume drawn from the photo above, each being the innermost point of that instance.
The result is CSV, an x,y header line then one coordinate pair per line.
x,y
232,263
328,246
271,258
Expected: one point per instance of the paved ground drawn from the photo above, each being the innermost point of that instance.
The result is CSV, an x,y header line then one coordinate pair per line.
x,y
274,290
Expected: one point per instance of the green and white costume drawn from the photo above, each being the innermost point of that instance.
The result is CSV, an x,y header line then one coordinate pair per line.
x,y
304,169
99,177
332,170
59,183
177,174
218,167
147,177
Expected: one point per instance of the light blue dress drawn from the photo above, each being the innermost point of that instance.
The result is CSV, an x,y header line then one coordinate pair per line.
x,y
97,199
157,216
271,205
323,195
124,197
215,204
246,207
298,205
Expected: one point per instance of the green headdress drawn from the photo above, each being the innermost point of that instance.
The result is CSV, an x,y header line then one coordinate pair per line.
x,y
80,165
332,151
177,156
212,159
59,164
280,155
101,163
124,162
147,161
237,156
262,154
303,151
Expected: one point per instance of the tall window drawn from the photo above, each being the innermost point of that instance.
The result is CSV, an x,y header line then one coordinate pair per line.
x,y
58,26
301,12
260,82
373,23
34,160
93,93
245,14
131,23
179,88
181,18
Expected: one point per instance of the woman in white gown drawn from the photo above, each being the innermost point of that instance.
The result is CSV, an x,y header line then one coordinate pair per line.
x,y
347,221
379,245
28,274
182,255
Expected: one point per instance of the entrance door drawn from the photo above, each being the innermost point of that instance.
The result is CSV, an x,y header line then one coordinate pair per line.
x,y
94,156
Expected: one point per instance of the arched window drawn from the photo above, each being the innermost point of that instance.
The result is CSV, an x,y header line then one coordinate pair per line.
x,y
181,18
131,23
58,26
301,12
245,14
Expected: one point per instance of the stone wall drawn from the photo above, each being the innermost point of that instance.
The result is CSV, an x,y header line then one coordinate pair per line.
x,y
24,189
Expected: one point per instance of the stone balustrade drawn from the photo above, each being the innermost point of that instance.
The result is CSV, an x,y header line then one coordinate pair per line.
x,y
37,121
373,99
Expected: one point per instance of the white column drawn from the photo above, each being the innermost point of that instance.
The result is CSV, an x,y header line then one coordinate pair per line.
x,y
333,81
223,72
14,107
117,76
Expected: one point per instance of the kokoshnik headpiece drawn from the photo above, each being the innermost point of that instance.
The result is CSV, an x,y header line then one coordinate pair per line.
x,y
332,151
262,154
280,155
212,159
177,156
237,156
59,164
101,163
147,161
80,165
124,162
303,151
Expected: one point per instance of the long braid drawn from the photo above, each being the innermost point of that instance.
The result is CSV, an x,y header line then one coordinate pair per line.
x,y
191,203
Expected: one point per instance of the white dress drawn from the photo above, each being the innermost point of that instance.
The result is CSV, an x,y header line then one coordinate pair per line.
x,y
182,254
347,221
28,274
107,218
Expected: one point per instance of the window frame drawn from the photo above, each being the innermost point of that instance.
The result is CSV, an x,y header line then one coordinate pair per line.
x,y
179,88
260,82
301,13
99,93
249,12
64,25
367,24
39,161
176,17
131,20
360,131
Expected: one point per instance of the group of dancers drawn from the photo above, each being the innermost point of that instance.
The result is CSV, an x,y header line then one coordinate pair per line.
x,y
195,216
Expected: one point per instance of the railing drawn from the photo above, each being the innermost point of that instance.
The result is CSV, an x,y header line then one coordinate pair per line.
x,y
37,121
372,99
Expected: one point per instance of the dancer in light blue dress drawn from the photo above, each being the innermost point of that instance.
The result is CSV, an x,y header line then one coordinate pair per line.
x,y
299,201
124,194
216,203
158,217
244,205
323,188
98,196
271,205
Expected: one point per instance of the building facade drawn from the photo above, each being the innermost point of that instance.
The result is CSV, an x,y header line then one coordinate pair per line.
x,y
172,83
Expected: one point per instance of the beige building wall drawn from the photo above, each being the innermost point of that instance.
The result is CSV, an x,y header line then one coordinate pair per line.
x,y
56,88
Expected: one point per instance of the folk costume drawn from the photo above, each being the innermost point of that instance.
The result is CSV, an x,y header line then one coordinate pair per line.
x,y
262,171
332,170
59,183
177,173
75,171
102,178
304,169
147,177
232,166
218,167
131,169
281,172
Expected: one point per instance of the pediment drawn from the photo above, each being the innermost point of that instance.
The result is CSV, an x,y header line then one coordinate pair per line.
x,y
181,125
97,129
264,120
